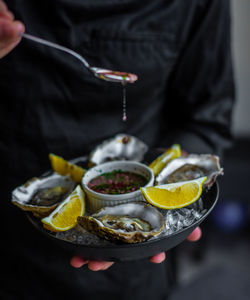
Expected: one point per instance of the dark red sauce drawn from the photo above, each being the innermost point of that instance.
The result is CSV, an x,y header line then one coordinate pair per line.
x,y
117,182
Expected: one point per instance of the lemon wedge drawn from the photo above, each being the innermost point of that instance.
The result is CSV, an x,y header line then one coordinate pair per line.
x,y
64,217
63,167
161,161
174,195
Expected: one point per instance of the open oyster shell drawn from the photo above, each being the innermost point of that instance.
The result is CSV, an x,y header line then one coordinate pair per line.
x,y
191,167
129,223
120,147
42,195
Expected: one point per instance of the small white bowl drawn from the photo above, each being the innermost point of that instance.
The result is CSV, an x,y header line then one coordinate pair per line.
x,y
97,200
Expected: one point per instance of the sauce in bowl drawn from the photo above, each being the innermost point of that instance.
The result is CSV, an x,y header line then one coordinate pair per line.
x,y
117,182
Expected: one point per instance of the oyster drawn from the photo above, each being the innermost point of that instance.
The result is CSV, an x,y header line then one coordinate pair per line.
x,y
42,195
120,147
129,223
191,167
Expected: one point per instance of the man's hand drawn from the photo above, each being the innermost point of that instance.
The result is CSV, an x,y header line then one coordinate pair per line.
x,y
78,262
10,30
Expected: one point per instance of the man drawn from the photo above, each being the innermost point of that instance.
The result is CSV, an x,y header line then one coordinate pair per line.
x,y
49,103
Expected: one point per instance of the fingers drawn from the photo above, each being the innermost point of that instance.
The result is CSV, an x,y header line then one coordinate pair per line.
x,y
195,235
93,265
158,258
99,265
78,262
3,6
10,30
5,13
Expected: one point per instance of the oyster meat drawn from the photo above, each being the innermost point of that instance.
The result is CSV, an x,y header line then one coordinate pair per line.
x,y
125,223
191,167
42,195
129,223
120,147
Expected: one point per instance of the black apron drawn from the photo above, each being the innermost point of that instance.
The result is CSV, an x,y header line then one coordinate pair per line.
x,y
50,103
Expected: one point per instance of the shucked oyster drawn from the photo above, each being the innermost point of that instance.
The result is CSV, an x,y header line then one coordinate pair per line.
x,y
129,223
191,167
120,147
42,195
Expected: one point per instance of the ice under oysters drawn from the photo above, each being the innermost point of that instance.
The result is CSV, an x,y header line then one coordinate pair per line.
x,y
42,195
129,223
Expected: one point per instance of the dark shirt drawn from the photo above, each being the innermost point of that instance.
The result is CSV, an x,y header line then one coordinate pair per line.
x,y
180,51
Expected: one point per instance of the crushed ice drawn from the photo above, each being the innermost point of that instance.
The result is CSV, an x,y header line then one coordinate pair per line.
x,y
176,220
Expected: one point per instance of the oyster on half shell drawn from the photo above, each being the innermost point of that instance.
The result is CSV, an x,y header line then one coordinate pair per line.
x,y
120,147
129,223
191,167
42,195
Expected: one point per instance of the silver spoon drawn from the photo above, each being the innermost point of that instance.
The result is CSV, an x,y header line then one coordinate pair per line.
x,y
108,75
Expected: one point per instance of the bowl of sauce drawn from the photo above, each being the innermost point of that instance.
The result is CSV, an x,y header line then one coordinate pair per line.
x,y
115,182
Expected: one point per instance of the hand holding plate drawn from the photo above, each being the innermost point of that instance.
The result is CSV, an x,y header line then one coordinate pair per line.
x,y
78,261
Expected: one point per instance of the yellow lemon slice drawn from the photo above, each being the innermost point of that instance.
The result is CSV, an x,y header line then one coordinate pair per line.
x,y
161,161
174,195
64,217
63,167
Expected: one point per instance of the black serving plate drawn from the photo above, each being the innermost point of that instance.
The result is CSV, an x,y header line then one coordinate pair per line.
x,y
128,252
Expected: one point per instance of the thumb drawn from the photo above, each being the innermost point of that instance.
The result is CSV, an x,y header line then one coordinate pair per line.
x,y
10,35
